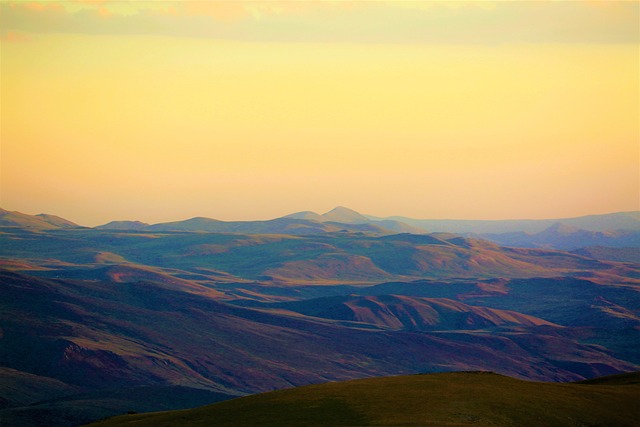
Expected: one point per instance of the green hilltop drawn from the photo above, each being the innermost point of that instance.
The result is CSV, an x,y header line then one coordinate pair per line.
x,y
444,399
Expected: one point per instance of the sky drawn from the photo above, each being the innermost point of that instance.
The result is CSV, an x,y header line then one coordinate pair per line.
x,y
165,110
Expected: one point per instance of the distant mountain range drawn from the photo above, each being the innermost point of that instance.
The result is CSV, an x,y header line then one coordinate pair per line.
x,y
338,219
617,230
605,222
309,222
566,237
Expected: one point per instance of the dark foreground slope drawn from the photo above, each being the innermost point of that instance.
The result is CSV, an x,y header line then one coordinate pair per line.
x,y
461,398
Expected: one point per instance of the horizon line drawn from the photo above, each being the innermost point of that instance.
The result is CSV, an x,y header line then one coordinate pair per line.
x,y
368,216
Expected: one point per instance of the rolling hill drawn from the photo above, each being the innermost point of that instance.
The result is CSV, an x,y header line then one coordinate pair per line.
x,y
462,398
97,321
610,254
343,215
565,237
610,230
34,222
410,313
301,223
101,337
297,225
617,227
123,225
99,334
329,258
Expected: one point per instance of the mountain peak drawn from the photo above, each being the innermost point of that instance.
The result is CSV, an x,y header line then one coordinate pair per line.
x,y
342,209
345,215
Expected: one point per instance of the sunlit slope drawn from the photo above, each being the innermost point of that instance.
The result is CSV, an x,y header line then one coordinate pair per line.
x,y
33,222
410,313
462,398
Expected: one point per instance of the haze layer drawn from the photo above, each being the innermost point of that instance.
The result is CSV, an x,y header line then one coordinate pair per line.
x,y
254,110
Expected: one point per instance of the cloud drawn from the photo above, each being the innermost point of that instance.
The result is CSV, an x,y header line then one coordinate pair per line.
x,y
42,6
328,21
219,11
15,37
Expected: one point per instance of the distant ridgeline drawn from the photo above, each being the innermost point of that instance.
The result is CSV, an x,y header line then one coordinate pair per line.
x,y
610,230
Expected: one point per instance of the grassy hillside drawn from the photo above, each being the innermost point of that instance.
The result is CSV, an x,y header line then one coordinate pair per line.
x,y
462,398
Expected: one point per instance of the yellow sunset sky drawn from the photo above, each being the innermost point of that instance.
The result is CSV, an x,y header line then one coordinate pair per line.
x,y
165,110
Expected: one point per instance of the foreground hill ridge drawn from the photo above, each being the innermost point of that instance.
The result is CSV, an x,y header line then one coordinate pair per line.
x,y
459,398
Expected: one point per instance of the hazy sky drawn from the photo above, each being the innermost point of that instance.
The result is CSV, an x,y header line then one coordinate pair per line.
x,y
166,110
